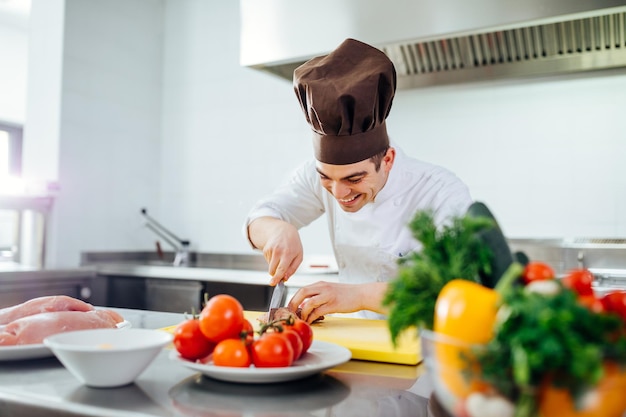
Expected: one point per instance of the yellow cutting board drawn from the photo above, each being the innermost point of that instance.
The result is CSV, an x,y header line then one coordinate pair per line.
x,y
368,340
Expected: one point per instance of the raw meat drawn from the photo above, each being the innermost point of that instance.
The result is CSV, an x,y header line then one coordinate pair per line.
x,y
282,313
42,305
36,327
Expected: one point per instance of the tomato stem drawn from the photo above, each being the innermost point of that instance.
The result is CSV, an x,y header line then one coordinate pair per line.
x,y
277,325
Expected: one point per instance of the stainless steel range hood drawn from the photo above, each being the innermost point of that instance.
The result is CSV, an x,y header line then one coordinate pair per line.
x,y
435,42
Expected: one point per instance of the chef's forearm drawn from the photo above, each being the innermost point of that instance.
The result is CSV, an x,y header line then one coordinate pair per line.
x,y
372,295
261,229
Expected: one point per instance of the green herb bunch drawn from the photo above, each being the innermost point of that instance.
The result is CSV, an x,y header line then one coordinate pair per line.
x,y
448,252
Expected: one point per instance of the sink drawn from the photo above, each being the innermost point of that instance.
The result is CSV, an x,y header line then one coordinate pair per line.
x,y
231,261
196,260
158,263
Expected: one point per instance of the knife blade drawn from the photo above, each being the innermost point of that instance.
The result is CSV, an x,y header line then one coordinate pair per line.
x,y
277,299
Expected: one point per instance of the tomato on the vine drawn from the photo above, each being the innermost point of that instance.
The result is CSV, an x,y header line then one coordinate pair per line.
x,y
232,352
272,350
579,280
247,332
222,318
295,340
615,302
190,342
305,331
537,271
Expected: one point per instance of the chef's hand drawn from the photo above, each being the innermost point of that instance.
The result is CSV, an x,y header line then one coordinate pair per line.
x,y
281,246
321,298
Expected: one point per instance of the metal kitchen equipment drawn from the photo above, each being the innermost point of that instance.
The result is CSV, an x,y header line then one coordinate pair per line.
x,y
604,257
31,223
180,245
433,42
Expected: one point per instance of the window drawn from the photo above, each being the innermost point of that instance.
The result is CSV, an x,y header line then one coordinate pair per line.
x,y
4,153
10,166
10,150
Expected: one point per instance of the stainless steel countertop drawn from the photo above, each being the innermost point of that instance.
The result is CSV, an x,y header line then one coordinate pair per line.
x,y
240,276
43,387
250,269
16,273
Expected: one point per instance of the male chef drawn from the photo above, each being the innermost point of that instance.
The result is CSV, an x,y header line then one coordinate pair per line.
x,y
368,189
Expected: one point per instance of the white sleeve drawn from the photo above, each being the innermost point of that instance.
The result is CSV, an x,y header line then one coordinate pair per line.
x,y
297,201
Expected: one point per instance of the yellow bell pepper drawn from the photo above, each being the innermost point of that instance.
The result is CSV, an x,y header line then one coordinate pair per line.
x,y
465,311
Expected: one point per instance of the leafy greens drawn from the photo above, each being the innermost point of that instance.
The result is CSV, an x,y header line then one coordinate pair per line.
x,y
448,252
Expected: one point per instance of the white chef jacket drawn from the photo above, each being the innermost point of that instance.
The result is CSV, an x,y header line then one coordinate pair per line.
x,y
367,244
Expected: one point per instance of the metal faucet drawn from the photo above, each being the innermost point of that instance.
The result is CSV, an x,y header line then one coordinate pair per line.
x,y
180,245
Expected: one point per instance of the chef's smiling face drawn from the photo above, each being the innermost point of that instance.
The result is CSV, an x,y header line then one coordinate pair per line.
x,y
355,185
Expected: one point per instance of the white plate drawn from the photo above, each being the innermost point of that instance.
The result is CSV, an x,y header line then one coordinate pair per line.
x,y
319,357
10,353
37,350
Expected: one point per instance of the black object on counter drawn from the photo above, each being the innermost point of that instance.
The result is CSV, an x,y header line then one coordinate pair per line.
x,y
494,239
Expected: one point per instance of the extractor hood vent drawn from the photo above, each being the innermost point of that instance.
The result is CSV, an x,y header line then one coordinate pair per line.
x,y
459,47
597,241
593,43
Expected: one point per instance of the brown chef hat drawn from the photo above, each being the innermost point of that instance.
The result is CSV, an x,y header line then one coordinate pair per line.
x,y
346,97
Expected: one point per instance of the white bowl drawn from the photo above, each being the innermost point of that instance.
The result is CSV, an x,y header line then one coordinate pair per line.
x,y
105,358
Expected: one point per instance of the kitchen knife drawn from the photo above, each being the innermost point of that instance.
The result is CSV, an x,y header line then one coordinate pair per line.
x,y
277,299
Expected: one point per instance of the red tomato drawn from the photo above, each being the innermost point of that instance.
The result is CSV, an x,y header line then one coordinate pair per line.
x,y
247,333
190,342
615,302
579,280
232,352
222,318
296,342
592,303
305,332
272,350
537,271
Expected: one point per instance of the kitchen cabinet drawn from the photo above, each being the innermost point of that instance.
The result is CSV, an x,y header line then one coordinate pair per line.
x,y
19,286
172,295
252,297
176,295
124,292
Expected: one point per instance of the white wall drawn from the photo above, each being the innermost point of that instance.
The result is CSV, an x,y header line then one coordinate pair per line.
x,y
229,133
13,70
107,158
546,155
156,111
41,145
